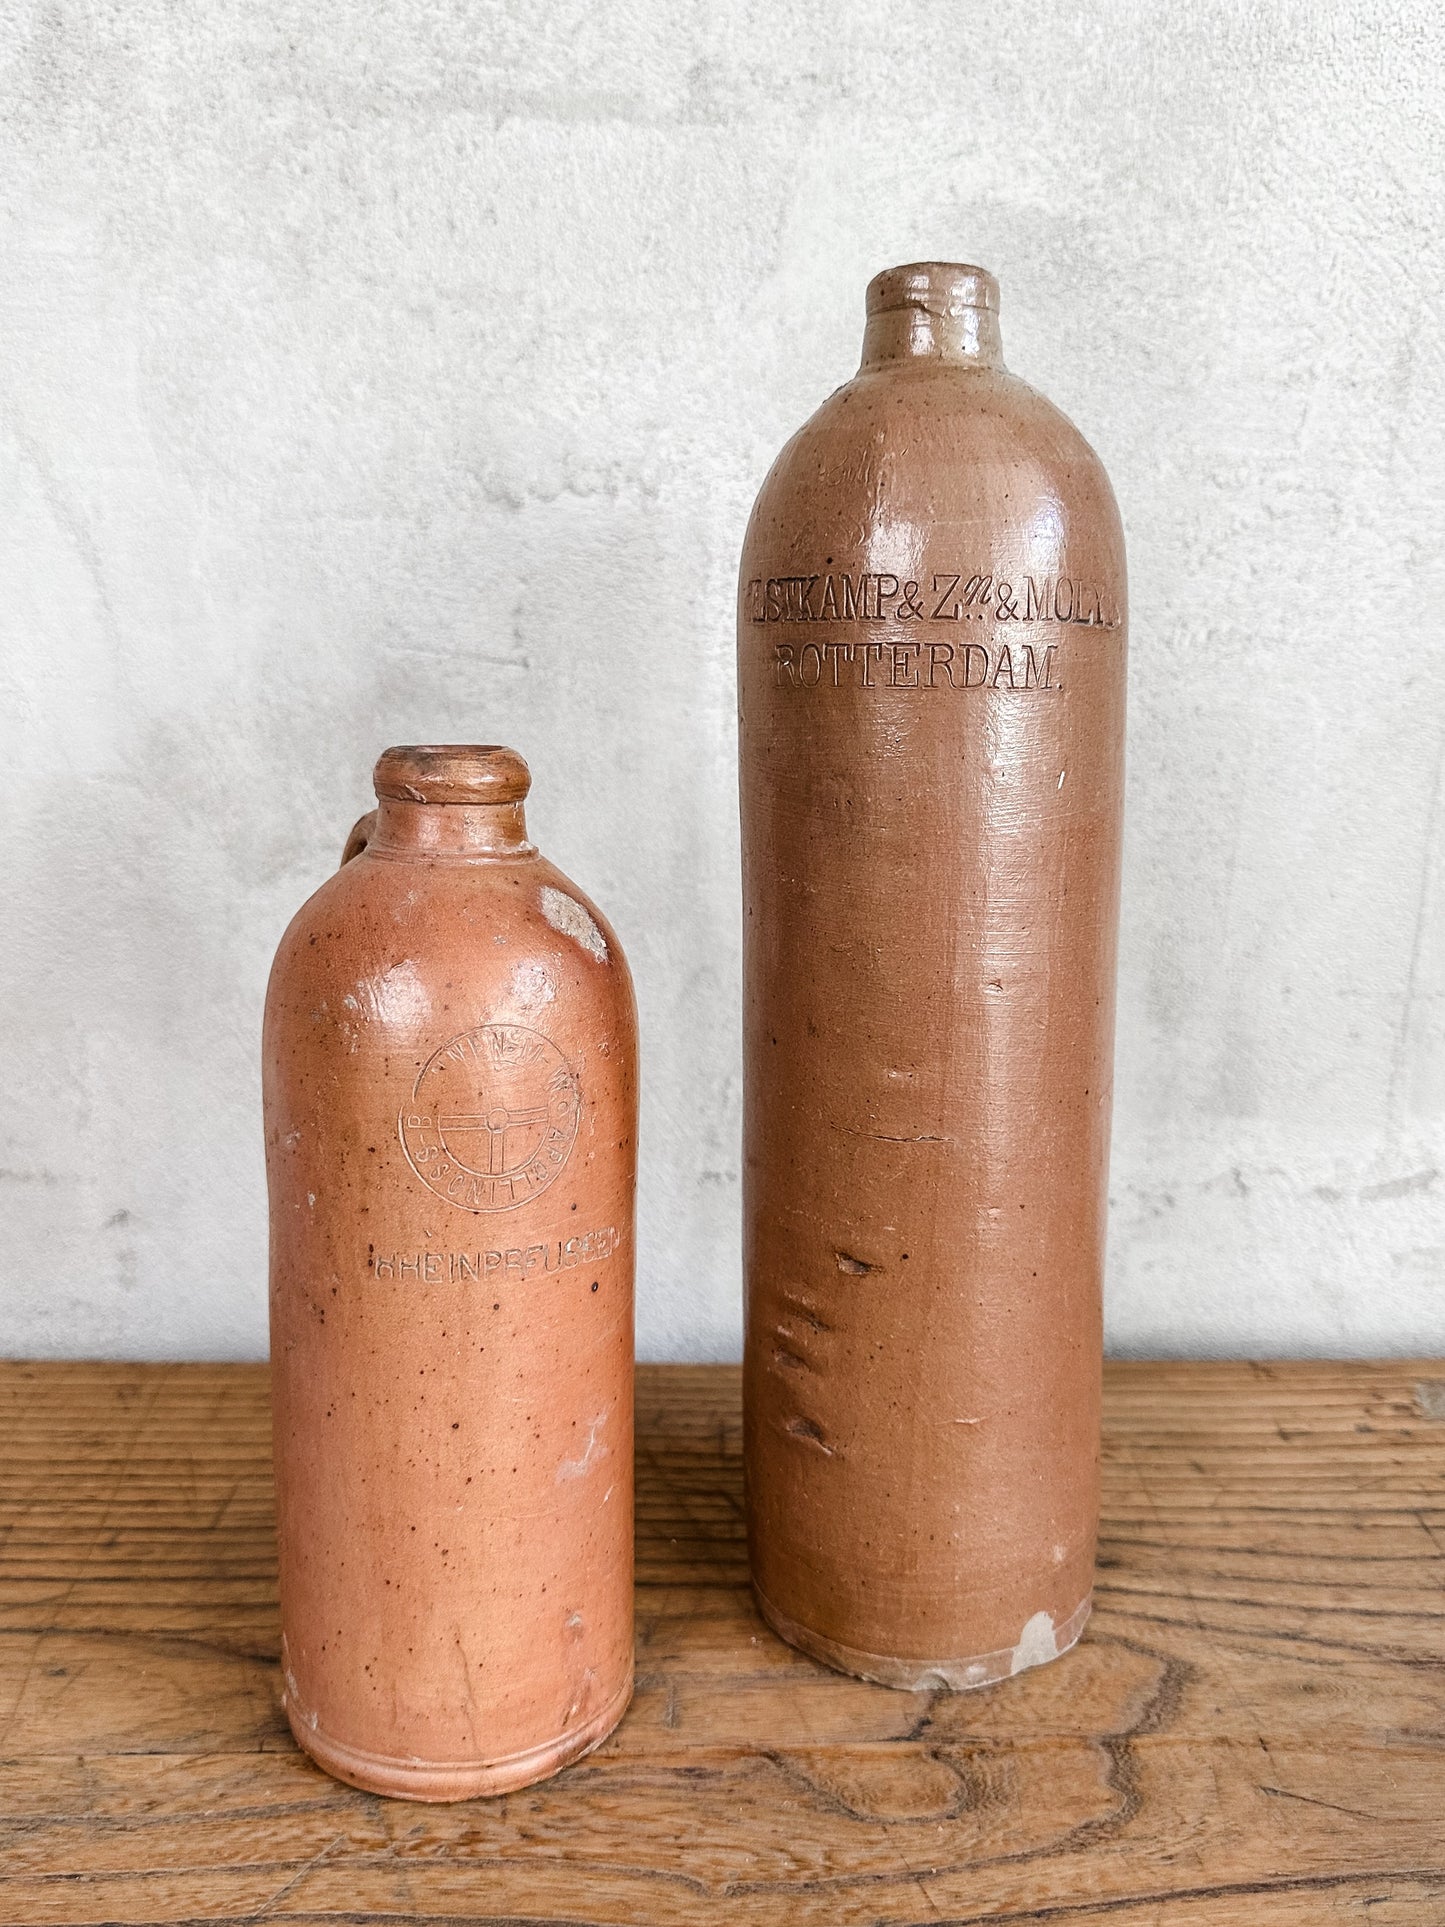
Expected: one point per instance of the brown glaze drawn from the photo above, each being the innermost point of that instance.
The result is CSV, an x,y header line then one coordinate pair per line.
x,y
451,1118
931,701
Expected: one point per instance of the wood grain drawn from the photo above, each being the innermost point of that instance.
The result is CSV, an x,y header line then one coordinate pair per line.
x,y
1251,1734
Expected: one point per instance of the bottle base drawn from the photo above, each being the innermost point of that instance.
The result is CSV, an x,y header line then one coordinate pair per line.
x,y
1040,1641
440,1780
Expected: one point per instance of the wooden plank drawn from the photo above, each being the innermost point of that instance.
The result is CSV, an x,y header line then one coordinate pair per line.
x,y
1252,1731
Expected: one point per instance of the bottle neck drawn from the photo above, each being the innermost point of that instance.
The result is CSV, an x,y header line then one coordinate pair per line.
x,y
461,801
932,312
457,830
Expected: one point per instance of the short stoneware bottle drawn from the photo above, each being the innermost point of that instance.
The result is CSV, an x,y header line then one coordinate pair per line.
x,y
931,642
451,1114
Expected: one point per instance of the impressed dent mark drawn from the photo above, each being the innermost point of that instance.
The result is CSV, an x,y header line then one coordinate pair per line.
x,y
855,1267
811,1433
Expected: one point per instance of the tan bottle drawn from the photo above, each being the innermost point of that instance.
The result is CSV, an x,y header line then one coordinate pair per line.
x,y
931,697
451,1104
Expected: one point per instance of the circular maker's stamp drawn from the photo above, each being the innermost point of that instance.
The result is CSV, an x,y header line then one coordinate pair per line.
x,y
492,1117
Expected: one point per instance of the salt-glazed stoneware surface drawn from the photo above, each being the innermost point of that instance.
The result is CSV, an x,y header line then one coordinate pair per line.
x,y
451,1119
931,643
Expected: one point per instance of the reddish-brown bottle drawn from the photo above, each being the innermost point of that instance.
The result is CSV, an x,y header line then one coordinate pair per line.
x,y
451,1119
931,697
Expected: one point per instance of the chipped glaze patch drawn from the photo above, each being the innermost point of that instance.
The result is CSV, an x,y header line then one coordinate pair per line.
x,y
1037,1644
395,996
566,914
1041,1640
531,986
592,1452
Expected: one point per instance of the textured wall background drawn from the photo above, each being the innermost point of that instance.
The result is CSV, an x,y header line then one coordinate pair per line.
x,y
399,373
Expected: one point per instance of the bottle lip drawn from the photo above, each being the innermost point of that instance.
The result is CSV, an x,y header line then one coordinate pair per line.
x,y
451,773
936,287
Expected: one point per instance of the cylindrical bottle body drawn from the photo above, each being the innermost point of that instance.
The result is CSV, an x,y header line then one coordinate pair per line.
x,y
931,696
450,1086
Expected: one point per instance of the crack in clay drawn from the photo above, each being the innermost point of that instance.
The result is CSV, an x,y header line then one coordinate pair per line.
x,y
885,1137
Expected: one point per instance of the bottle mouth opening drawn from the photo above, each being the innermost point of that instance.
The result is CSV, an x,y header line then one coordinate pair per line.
x,y
935,287
451,773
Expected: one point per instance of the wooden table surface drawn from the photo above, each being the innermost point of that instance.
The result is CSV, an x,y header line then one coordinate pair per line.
x,y
1252,1730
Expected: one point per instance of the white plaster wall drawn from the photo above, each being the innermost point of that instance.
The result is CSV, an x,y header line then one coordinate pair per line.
x,y
392,373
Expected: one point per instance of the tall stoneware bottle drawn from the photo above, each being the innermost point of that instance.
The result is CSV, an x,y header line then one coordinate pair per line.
x,y
451,1104
931,698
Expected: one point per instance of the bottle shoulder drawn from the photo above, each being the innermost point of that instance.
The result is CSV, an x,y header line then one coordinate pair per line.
x,y
932,439
382,939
